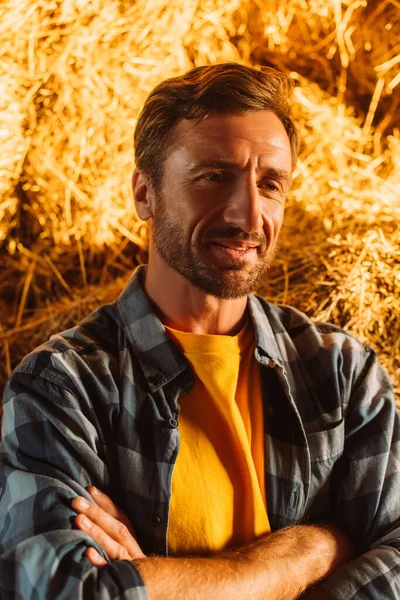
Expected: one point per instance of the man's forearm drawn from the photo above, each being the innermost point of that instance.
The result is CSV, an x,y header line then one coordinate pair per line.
x,y
280,566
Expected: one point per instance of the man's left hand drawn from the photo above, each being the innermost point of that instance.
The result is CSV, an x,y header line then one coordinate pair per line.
x,y
108,526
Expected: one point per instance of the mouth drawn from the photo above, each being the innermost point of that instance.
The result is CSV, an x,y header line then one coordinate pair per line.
x,y
230,250
236,245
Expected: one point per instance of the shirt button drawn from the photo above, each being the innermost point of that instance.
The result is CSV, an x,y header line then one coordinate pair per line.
x,y
155,519
156,379
173,423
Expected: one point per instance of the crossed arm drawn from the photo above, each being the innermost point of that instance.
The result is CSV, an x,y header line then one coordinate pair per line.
x,y
279,566
54,446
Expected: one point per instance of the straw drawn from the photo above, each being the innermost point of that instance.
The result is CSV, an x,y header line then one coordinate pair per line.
x,y
73,76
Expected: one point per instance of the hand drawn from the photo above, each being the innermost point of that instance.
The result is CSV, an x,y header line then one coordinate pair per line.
x,y
108,526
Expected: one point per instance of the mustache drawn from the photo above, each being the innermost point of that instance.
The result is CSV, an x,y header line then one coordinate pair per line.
x,y
235,233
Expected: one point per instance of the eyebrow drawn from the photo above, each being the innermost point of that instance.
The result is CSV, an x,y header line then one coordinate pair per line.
x,y
213,163
225,163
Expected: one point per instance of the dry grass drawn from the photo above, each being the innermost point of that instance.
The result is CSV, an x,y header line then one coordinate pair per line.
x,y
73,76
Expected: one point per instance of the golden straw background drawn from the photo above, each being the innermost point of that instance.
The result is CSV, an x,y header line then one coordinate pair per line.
x,y
73,76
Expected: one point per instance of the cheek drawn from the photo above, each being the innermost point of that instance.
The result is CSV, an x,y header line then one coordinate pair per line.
x,y
273,218
197,206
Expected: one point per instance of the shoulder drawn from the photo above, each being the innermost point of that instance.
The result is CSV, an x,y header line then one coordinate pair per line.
x,y
322,357
87,352
306,334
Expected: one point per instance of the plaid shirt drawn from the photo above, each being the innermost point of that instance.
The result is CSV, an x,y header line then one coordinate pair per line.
x,y
99,404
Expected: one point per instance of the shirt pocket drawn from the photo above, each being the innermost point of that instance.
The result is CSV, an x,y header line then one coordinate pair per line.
x,y
326,448
326,444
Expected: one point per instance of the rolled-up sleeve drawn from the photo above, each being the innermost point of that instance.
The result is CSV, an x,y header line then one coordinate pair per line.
x,y
368,483
50,452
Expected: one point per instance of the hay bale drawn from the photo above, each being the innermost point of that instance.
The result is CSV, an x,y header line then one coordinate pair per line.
x,y
14,144
83,70
350,48
77,175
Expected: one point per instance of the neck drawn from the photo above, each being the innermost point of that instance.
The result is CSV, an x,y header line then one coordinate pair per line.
x,y
182,306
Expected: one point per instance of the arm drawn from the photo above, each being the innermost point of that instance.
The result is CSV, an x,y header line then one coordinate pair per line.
x,y
368,484
279,566
50,452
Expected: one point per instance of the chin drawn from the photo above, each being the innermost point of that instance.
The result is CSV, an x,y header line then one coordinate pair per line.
x,y
228,285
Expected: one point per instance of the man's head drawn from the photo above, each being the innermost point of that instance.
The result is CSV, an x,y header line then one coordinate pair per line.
x,y
223,88
215,149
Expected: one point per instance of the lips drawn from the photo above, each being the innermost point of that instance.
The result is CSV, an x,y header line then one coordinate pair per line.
x,y
235,245
239,253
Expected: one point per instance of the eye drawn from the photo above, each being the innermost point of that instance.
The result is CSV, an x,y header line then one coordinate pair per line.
x,y
213,176
270,186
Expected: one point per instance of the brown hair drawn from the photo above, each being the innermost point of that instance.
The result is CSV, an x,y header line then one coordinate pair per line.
x,y
226,87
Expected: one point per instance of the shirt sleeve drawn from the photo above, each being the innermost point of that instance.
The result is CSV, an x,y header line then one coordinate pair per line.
x,y
368,482
51,451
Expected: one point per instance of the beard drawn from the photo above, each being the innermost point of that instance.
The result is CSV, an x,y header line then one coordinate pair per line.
x,y
235,280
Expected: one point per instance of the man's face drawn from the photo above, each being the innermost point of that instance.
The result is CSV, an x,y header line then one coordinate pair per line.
x,y
218,213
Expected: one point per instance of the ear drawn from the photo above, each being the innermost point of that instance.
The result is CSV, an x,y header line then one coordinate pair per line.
x,y
142,194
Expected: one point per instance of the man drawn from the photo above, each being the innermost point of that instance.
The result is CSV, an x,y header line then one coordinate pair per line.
x,y
237,450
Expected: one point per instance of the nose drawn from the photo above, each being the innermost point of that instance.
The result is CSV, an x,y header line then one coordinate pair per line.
x,y
243,208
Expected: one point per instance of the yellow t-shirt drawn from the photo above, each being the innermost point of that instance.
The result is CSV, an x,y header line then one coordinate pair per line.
x,y
218,492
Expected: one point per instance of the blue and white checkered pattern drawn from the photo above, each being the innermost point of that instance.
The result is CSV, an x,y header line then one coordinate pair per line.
x,y
99,405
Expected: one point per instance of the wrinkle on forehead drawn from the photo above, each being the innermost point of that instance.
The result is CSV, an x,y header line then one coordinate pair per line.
x,y
194,156
275,141
261,129
190,153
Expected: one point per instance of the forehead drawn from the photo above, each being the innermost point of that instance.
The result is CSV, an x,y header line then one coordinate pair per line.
x,y
258,135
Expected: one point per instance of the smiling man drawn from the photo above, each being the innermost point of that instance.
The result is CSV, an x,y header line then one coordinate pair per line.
x,y
238,450
216,220
216,224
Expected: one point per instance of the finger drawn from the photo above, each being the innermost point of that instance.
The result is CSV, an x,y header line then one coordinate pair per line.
x,y
108,525
113,549
108,505
95,557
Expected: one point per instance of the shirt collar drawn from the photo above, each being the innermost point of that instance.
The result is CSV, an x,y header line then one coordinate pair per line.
x,y
159,358
265,329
